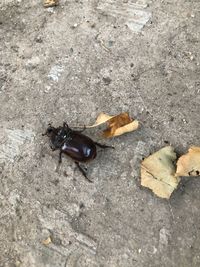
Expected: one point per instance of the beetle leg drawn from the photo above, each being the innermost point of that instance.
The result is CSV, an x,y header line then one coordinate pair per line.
x,y
103,146
60,157
59,161
65,125
52,148
82,171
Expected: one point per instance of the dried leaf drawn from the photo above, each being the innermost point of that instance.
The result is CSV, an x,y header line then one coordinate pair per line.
x,y
116,125
189,164
50,3
158,172
47,241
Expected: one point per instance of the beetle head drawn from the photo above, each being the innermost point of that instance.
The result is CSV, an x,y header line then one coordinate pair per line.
x,y
50,131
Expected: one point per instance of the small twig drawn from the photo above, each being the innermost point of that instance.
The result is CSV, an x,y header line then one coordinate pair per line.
x,y
81,126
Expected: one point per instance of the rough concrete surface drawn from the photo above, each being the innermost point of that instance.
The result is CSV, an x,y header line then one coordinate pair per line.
x,y
68,63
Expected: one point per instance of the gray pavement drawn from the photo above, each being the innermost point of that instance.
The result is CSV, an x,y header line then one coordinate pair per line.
x,y
69,63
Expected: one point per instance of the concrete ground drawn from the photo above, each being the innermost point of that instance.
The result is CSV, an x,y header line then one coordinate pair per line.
x,y
70,63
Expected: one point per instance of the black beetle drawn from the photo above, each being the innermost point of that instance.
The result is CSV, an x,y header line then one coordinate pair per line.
x,y
74,144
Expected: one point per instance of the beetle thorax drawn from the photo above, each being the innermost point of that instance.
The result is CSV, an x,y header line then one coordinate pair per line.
x,y
61,136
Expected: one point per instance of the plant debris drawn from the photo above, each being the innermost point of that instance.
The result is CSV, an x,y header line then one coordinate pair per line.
x,y
189,164
50,3
158,172
47,241
116,125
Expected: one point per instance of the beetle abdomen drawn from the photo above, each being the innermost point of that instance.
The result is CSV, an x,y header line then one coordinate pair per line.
x,y
80,148
82,154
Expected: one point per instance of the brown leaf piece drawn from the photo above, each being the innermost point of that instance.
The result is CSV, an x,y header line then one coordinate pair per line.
x,y
50,3
116,125
189,164
158,172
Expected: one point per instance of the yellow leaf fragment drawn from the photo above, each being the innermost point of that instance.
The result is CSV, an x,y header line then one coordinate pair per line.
x,y
116,125
47,241
102,118
50,3
127,128
158,172
189,164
